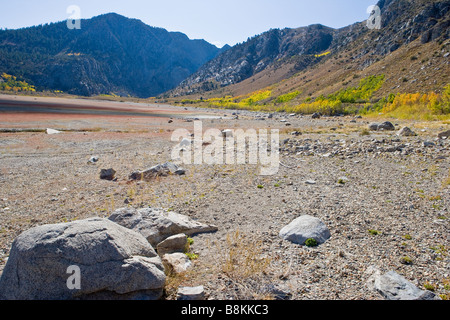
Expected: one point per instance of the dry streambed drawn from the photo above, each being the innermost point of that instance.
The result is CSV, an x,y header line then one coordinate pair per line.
x,y
383,197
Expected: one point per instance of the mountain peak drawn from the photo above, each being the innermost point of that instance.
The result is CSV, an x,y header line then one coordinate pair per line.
x,y
110,54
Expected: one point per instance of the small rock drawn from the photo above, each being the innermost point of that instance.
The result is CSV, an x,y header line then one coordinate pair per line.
x,y
310,182
386,126
316,115
176,243
406,132
53,131
304,228
428,144
191,293
107,174
93,159
373,126
444,135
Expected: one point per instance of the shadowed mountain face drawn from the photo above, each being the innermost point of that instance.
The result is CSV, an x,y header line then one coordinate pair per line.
x,y
296,50
109,54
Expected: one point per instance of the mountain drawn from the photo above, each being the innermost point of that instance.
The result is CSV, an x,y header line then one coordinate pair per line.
x,y
409,49
109,54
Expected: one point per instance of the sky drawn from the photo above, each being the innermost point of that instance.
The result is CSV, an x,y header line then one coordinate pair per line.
x,y
218,22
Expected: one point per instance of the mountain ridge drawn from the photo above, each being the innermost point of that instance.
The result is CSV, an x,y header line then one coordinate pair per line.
x,y
109,54
403,22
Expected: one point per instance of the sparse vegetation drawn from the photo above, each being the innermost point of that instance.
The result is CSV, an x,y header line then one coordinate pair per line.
x,y
311,242
11,83
406,260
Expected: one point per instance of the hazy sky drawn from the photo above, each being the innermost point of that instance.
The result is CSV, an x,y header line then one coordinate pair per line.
x,y
218,22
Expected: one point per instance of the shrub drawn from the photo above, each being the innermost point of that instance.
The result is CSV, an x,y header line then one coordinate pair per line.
x,y
311,242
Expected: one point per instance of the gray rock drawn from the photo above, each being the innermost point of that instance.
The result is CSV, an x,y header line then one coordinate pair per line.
x,y
176,243
160,170
393,286
316,116
303,228
114,263
157,225
93,159
428,144
406,132
107,174
191,293
373,126
445,134
386,126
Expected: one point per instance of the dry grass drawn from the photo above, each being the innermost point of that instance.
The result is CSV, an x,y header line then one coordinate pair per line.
x,y
243,258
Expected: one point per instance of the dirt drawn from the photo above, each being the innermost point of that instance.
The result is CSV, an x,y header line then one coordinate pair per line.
x,y
364,181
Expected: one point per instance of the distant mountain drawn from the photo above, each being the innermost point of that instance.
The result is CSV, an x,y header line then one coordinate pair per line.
x,y
412,29
109,54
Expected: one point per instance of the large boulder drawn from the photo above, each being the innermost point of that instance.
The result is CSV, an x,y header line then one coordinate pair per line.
x,y
113,262
304,228
157,225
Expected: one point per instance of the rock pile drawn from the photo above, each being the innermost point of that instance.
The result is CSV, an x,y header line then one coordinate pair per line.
x,y
115,257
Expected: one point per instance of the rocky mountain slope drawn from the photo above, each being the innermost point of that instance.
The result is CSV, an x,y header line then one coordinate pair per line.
x,y
318,59
109,54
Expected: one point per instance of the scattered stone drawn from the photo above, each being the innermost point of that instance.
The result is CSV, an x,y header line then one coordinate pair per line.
x,y
393,286
191,293
304,228
157,225
444,135
176,243
310,182
176,263
316,115
93,159
108,174
406,132
53,131
428,144
114,263
157,171
386,126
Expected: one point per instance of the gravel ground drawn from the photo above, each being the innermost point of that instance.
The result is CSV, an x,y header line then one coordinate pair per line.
x,y
394,186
